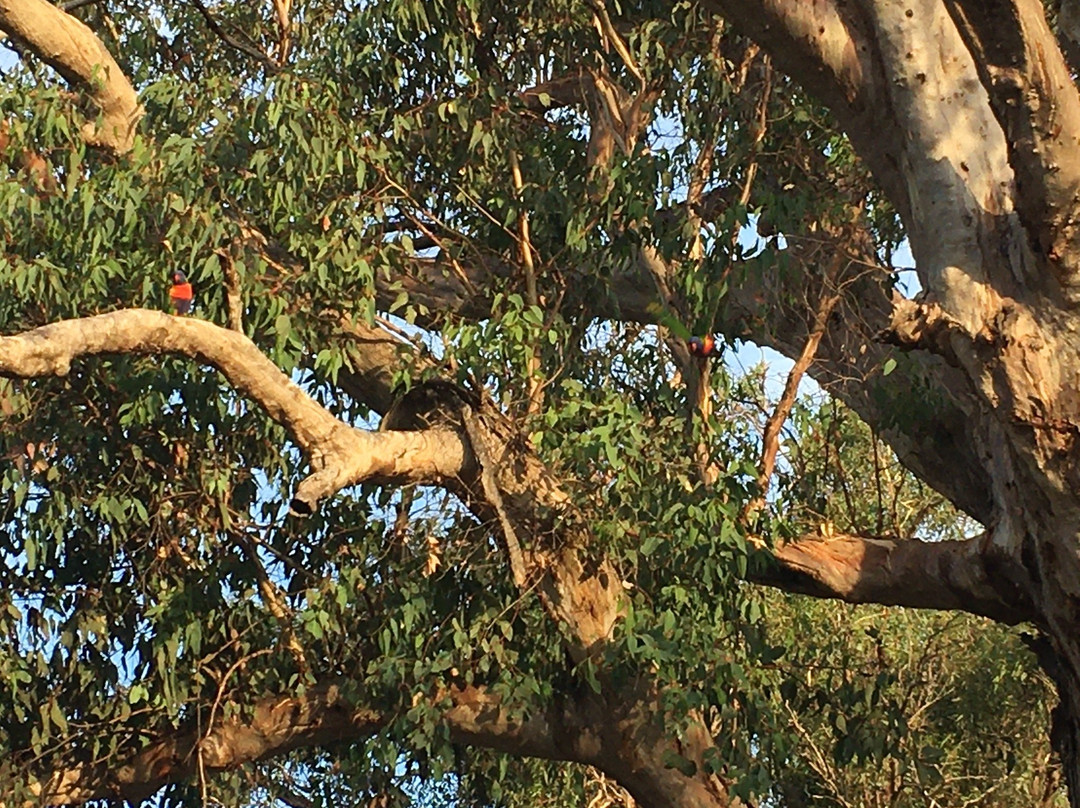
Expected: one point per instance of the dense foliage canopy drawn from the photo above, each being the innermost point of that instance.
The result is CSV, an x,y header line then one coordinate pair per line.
x,y
494,226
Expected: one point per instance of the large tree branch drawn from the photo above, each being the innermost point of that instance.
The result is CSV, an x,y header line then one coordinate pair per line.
x,y
923,409
579,588
78,55
903,85
937,445
322,716
584,728
339,454
950,575
1037,104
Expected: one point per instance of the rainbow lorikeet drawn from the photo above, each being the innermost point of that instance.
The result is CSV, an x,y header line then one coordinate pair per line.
x,y
181,293
703,346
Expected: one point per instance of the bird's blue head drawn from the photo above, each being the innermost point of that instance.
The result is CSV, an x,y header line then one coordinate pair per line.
x,y
179,277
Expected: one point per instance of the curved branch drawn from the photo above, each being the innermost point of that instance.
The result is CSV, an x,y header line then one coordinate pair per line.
x,y
340,455
951,575
584,729
323,715
937,445
74,51
923,409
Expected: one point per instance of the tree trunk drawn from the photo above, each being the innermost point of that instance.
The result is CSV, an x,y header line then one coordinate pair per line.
x,y
646,755
969,118
1065,732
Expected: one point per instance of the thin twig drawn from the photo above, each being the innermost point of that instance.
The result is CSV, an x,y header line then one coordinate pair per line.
x,y
771,438
760,128
213,713
531,296
236,44
221,687
602,21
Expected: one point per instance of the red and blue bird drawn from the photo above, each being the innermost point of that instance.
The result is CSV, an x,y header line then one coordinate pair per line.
x,y
703,346
181,293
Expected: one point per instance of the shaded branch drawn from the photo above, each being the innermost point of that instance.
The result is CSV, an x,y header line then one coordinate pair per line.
x,y
339,455
74,51
233,295
923,409
561,91
323,715
231,41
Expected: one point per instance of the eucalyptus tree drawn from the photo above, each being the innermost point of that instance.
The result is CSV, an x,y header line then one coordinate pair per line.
x,y
221,578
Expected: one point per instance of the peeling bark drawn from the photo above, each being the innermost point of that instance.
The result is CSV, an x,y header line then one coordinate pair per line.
x,y
967,117
1037,106
949,575
980,124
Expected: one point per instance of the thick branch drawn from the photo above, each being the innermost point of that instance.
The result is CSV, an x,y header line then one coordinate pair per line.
x,y
924,408
951,575
1038,106
585,729
340,455
561,91
323,715
77,54
937,445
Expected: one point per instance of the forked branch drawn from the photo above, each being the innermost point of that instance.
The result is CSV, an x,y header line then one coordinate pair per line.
x,y
340,455
1038,106
323,715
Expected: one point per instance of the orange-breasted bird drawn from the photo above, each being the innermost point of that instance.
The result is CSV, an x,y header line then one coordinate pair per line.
x,y
703,346
181,294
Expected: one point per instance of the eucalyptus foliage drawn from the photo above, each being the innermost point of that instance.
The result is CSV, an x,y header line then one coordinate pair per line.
x,y
142,501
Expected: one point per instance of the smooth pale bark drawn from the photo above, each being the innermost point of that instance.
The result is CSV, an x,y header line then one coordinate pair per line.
x,y
989,203
340,455
979,126
78,55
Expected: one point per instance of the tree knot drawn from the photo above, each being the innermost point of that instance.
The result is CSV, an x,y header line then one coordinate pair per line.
x,y
925,326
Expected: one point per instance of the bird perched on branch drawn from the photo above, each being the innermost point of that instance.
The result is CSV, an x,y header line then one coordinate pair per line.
x,y
703,346
180,293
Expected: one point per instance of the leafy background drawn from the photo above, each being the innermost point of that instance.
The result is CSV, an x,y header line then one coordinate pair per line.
x,y
141,500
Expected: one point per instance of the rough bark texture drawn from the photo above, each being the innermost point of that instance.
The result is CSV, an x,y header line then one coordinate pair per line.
x,y
586,730
978,124
478,454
